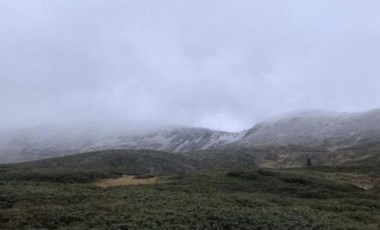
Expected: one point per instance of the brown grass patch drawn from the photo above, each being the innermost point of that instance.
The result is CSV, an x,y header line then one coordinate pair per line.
x,y
362,181
126,180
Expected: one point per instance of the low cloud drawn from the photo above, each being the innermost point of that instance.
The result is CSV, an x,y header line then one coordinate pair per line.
x,y
218,64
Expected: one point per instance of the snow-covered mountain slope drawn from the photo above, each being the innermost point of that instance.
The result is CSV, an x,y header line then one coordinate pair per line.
x,y
310,129
173,140
317,128
52,142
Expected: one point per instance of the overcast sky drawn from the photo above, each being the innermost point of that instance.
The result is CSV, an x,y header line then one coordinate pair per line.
x,y
214,63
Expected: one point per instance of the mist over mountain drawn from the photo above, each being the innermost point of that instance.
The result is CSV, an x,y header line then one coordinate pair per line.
x,y
45,142
311,129
224,66
113,75
190,114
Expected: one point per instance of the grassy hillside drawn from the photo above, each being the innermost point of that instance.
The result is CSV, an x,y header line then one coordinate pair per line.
x,y
144,162
211,189
296,156
125,161
218,199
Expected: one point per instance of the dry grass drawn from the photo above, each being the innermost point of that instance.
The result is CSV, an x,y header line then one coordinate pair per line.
x,y
362,181
125,180
282,161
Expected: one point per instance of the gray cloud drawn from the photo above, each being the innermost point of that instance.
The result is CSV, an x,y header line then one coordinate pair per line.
x,y
218,64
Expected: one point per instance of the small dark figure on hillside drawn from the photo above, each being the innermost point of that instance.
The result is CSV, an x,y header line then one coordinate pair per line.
x,y
308,162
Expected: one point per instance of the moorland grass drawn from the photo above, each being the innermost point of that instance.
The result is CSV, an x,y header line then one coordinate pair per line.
x,y
212,199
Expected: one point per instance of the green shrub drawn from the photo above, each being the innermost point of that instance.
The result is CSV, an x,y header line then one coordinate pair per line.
x,y
234,173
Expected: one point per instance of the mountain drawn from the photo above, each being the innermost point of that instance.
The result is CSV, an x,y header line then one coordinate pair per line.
x,y
46,142
177,140
316,128
309,133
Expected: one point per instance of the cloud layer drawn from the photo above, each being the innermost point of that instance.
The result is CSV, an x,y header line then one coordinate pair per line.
x,y
218,64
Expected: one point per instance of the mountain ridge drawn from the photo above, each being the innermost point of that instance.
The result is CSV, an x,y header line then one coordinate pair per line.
x,y
314,129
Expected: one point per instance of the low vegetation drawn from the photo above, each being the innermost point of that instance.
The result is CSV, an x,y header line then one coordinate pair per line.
x,y
37,198
143,162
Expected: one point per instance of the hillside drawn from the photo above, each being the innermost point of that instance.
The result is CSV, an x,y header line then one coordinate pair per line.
x,y
177,140
316,129
143,162
40,143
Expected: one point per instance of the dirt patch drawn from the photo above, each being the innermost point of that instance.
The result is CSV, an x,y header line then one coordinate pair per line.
x,y
126,180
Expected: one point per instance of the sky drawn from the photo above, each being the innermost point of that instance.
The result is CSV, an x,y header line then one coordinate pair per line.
x,y
218,64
